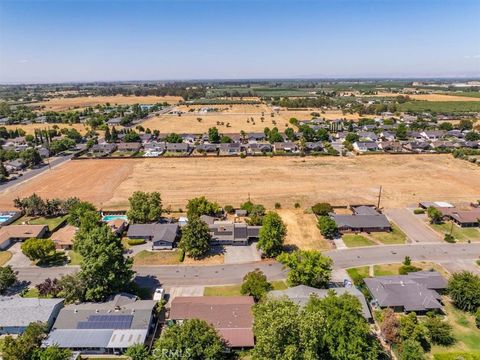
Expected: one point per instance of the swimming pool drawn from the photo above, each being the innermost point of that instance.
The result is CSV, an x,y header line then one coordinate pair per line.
x,y
107,218
4,218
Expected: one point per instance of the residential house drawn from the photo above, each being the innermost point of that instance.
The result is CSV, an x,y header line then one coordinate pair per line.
x,y
154,149
463,218
179,148
11,233
43,152
259,149
16,313
417,146
229,233
63,237
365,146
104,328
288,147
253,138
162,236
118,226
313,146
391,146
231,316
367,136
146,138
415,135
455,133
417,291
433,134
104,149
230,149
115,121
189,138
132,147
361,223
15,165
387,135
207,149
301,294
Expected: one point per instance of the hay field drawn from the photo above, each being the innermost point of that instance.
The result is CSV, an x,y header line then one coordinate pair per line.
x,y
406,179
236,115
431,97
62,104
305,114
30,128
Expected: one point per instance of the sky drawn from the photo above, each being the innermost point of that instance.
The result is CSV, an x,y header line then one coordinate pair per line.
x,y
100,40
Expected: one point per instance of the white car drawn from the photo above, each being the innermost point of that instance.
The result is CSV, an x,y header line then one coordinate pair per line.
x,y
158,294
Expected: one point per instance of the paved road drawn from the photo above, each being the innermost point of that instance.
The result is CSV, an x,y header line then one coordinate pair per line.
x,y
34,172
415,229
183,275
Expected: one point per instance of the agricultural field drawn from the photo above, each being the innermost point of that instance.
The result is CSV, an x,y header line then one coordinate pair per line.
x,y
62,104
435,97
441,106
338,180
228,119
306,114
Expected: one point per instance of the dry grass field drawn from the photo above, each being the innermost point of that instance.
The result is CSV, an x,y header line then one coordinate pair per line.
x,y
305,114
302,231
406,179
432,97
239,117
30,128
62,104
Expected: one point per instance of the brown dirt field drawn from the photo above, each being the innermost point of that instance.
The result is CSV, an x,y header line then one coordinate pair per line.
x,y
302,230
305,114
406,179
30,128
432,97
61,104
236,115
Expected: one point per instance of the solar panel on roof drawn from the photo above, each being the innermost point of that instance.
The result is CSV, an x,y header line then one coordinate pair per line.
x,y
106,322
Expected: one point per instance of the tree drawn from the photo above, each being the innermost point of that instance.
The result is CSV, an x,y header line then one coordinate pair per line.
x,y
108,135
201,206
390,326
137,352
465,124
173,138
412,329
439,332
472,136
407,267
477,318
411,350
31,156
31,206
322,209
114,137
7,278
132,137
193,339
78,211
49,288
352,137
38,249
52,353
276,329
272,235
196,238
213,135
307,267
255,284
434,215
145,207
3,171
23,347
327,226
104,270
464,290
72,288
401,132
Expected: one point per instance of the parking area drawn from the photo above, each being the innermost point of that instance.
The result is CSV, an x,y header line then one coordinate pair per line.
x,y
413,226
241,254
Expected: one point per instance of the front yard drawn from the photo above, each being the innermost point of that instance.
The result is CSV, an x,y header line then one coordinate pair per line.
x,y
356,240
53,223
163,257
4,257
396,236
234,290
460,234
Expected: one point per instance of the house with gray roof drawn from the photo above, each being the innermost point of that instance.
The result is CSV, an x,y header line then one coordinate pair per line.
x,y
229,233
162,236
361,223
417,291
104,328
16,313
300,295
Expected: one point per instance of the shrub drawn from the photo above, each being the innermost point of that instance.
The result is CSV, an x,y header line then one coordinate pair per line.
x,y
327,226
134,242
181,255
229,209
297,205
405,269
278,205
449,238
243,156
322,209
419,211
464,290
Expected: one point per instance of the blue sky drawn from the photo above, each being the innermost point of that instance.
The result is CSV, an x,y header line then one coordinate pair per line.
x,y
64,40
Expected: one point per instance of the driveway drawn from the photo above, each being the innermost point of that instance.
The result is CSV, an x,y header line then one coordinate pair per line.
x,y
18,259
175,291
414,227
241,254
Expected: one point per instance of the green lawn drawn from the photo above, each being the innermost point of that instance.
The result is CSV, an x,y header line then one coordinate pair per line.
x,y
465,94
234,290
352,240
460,234
164,257
52,223
457,356
396,236
4,257
75,258
465,331
358,274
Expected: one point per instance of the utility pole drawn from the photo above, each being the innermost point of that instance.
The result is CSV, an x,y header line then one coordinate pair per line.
x,y
379,197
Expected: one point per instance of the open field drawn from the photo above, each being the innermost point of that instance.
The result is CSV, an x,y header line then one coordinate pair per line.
x,y
441,106
434,97
61,104
30,128
302,231
406,179
327,114
234,115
